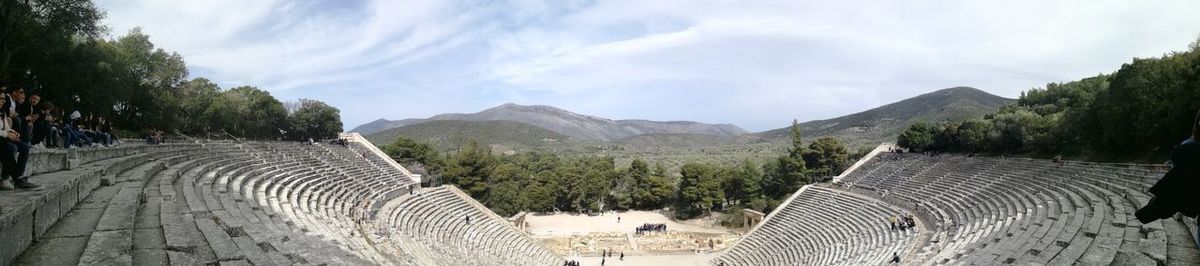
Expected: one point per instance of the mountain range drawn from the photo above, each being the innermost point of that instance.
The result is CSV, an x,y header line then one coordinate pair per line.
x,y
565,122
516,126
886,122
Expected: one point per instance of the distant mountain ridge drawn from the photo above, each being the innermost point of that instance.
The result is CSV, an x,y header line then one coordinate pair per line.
x,y
565,122
450,134
531,127
886,122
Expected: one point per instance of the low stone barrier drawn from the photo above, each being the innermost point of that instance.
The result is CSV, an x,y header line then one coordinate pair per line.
x,y
26,215
518,221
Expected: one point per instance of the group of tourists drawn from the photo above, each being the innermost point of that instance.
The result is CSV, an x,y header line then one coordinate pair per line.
x,y
605,254
902,222
339,141
153,136
649,227
30,123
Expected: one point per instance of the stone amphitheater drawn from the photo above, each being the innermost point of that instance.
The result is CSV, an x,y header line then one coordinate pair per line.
x,y
282,203
972,211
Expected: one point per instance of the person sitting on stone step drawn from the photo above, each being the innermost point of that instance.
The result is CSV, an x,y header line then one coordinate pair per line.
x,y
1175,192
8,150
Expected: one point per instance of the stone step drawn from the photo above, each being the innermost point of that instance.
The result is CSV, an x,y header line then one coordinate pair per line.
x,y
112,239
66,240
1181,246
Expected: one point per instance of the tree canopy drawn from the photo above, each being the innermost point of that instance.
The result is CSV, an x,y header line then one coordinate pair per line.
x,y
543,182
1137,113
59,50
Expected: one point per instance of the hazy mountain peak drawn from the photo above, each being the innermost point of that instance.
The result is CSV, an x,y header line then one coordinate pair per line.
x,y
568,123
885,122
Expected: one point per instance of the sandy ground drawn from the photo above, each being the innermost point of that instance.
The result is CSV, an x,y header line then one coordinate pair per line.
x,y
572,224
658,260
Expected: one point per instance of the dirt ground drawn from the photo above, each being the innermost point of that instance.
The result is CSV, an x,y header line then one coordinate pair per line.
x,y
575,224
657,260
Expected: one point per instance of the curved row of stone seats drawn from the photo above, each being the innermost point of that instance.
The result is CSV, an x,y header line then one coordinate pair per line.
x,y
123,218
28,218
265,222
265,187
191,222
1022,211
1005,209
198,185
821,226
345,196
319,222
443,226
260,203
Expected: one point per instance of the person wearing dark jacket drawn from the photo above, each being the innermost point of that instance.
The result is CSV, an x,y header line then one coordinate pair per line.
x,y
9,147
19,122
1175,192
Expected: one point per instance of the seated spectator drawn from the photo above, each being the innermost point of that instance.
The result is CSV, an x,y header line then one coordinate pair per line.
x,y
153,137
8,150
74,134
21,120
41,124
106,129
54,126
95,130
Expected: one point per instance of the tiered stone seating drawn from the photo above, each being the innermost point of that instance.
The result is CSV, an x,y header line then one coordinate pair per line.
x,y
70,180
989,211
255,203
443,226
822,226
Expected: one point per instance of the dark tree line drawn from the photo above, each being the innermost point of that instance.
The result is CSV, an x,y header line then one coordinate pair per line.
x,y
58,49
1134,114
542,182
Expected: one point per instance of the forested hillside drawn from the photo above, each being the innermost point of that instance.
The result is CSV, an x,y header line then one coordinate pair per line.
x,y
544,182
450,134
1134,114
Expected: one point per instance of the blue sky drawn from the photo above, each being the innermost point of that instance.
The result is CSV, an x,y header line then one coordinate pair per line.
x,y
755,64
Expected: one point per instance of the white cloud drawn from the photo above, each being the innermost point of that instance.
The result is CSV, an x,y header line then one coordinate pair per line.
x,y
757,64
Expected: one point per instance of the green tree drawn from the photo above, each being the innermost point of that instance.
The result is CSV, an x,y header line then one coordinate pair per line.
x,y
149,77
506,198
973,135
699,190
259,115
315,119
918,136
542,192
469,169
826,157
406,150
792,171
36,27
653,190
193,98
745,183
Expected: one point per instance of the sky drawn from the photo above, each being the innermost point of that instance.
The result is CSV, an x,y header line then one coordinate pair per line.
x,y
755,64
